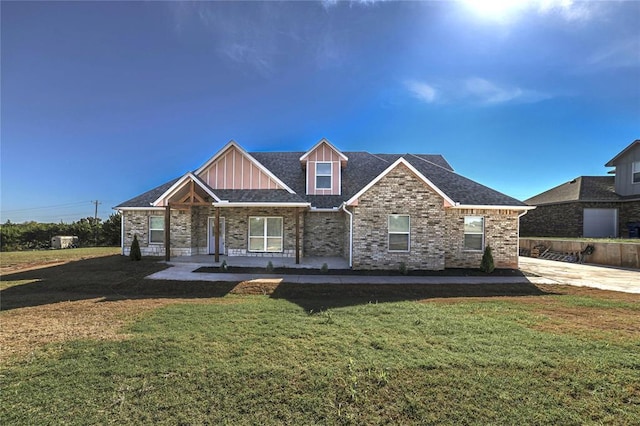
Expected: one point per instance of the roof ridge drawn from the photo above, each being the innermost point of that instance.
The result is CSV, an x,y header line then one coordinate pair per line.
x,y
431,162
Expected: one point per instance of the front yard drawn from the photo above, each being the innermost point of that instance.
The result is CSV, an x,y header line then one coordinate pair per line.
x,y
92,342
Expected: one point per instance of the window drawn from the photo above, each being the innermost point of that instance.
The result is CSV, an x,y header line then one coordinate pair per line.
x,y
156,229
323,175
635,172
473,233
265,234
399,232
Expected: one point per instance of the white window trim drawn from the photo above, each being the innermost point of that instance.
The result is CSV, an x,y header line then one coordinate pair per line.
x,y
265,236
156,229
473,233
323,174
389,233
635,168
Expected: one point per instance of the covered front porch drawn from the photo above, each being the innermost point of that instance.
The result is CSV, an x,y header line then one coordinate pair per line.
x,y
313,262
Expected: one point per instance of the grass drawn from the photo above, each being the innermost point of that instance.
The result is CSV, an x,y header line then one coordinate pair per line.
x,y
21,259
211,353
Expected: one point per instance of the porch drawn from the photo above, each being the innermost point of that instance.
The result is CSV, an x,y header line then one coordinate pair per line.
x,y
312,262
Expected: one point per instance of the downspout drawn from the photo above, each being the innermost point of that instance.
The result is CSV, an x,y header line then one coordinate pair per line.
x,y
122,231
344,207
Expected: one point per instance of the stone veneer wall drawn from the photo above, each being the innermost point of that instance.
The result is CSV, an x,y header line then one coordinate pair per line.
x,y
237,229
324,234
137,223
567,219
500,233
399,192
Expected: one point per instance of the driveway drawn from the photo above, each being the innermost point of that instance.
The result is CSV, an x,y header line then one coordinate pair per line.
x,y
602,277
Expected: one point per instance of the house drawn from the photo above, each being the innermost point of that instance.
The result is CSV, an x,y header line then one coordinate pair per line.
x,y
591,206
375,210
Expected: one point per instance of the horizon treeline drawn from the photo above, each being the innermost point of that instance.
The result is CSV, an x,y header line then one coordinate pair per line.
x,y
32,235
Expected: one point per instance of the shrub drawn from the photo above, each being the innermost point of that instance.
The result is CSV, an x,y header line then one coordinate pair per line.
x,y
224,266
486,265
403,268
270,267
324,268
135,254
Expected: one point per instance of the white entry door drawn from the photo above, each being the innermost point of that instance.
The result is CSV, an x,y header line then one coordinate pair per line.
x,y
600,223
212,236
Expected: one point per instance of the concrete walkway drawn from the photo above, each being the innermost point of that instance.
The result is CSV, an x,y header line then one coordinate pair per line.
x,y
602,277
547,271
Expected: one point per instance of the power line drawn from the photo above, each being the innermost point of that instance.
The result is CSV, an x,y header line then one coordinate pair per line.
x,y
44,207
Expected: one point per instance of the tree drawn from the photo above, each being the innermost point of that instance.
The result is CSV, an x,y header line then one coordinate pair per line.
x,y
486,265
111,230
135,254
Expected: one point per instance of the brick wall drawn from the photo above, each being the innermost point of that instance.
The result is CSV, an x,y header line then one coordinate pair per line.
x,y
566,220
237,230
324,234
399,192
500,233
137,223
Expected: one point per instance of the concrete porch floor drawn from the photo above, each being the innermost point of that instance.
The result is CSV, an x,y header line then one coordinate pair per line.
x,y
261,262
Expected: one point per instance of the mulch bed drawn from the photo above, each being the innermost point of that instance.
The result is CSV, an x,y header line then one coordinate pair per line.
x,y
451,272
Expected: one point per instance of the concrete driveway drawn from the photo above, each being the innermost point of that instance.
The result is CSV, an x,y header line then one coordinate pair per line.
x,y
602,277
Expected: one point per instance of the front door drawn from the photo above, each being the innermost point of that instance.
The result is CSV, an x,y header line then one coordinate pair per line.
x,y
212,236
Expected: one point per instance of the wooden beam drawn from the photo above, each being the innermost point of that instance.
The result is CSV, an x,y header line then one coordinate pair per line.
x,y
297,213
217,236
167,233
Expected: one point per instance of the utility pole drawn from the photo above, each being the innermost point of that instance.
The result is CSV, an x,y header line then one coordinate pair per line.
x,y
95,221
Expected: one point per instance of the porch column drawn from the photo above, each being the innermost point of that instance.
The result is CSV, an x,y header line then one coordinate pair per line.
x,y
167,233
297,236
216,232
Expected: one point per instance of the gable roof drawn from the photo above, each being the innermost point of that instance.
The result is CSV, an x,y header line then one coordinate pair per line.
x,y
582,188
361,170
179,184
343,157
614,160
242,151
395,164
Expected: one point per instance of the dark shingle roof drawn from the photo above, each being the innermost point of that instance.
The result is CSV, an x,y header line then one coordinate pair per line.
x,y
361,169
258,196
145,200
583,188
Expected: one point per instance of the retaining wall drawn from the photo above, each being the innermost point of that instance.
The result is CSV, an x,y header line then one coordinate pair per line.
x,y
626,255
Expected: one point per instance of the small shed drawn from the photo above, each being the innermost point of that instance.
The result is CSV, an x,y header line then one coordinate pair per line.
x,y
64,241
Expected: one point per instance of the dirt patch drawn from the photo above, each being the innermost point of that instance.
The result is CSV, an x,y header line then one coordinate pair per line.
x,y
27,329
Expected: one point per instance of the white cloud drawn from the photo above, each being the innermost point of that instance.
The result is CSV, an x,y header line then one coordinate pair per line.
x,y
505,11
422,91
473,90
621,53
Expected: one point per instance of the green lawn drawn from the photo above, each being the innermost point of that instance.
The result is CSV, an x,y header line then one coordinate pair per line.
x,y
36,257
567,358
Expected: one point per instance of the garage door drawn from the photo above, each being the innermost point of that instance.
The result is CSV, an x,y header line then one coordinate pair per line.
x,y
600,223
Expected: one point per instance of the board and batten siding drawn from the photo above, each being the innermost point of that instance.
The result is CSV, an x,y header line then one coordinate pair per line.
x,y
233,170
624,173
323,154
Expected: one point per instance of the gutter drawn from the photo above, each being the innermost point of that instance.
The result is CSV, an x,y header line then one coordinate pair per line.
x,y
344,208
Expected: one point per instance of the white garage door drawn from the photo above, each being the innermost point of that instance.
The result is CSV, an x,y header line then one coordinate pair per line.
x,y
600,223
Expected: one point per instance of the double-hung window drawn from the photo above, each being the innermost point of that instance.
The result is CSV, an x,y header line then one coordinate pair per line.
x,y
265,234
156,229
473,233
635,172
323,175
399,230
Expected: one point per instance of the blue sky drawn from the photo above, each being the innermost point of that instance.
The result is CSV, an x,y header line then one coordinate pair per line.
x,y
103,101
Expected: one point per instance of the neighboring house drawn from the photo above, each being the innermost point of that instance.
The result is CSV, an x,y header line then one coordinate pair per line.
x,y
591,206
376,210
